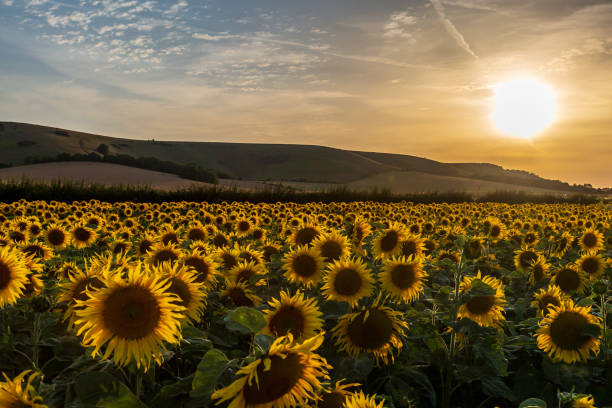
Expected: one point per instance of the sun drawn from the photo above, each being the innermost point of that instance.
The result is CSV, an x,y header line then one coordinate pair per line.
x,y
523,107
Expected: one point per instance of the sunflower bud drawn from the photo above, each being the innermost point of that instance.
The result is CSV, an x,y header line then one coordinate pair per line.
x,y
600,287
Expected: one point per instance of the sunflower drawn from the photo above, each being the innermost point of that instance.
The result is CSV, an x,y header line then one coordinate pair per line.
x,y
184,284
360,400
244,271
332,246
304,234
240,294
227,258
144,244
13,393
287,376
388,242
413,245
13,276
243,227
524,258
170,235
497,230
270,249
375,329
67,269
474,248
486,310
220,240
304,266
293,314
361,230
259,234
591,264
132,316
249,254
161,252
77,288
591,240
82,236
38,251
563,244
547,297
561,333
34,286
403,277
204,267
347,280
196,232
586,401
538,270
336,397
569,279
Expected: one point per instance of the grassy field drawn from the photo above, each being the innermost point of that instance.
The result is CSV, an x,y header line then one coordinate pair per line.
x,y
268,162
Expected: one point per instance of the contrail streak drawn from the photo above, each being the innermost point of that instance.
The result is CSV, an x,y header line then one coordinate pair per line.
x,y
451,29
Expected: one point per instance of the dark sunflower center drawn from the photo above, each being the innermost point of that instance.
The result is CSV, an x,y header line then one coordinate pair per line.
x,y
590,265
332,400
81,234
258,234
200,266
79,290
278,381
495,231
562,244
220,241
268,251
245,274
403,276
131,312
530,238
331,250
409,248
17,236
34,250
589,240
288,319
145,245
304,265
480,305
165,255
566,329
196,234
120,247
249,257
568,280
547,300
239,297
5,275
179,288
348,282
538,272
372,333
304,236
35,229
229,260
169,237
358,234
526,258
244,226
389,242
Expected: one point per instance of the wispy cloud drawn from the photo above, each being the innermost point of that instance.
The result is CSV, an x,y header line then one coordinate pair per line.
x,y
451,29
398,26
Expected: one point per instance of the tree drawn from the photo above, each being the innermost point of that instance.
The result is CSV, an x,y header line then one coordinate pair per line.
x,y
102,149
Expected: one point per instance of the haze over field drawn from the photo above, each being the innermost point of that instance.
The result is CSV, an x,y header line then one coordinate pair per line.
x,y
422,78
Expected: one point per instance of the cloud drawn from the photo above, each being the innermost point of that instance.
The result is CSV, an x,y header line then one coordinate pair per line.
x,y
7,2
451,29
397,26
208,37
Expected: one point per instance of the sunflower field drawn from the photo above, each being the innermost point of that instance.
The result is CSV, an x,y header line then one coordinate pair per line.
x,y
361,304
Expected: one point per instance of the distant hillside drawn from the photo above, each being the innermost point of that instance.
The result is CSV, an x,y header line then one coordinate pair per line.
x,y
22,143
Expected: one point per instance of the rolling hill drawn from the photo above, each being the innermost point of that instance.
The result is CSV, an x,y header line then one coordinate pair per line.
x,y
20,143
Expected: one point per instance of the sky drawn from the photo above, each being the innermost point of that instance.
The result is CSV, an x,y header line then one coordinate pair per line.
x,y
410,77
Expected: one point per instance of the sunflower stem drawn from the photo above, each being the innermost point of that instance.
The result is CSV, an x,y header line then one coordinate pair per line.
x,y
36,339
604,318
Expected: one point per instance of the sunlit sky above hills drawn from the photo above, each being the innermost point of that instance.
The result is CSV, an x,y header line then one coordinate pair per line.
x,y
413,77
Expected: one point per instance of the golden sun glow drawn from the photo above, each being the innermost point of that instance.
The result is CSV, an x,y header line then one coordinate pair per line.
x,y
523,107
